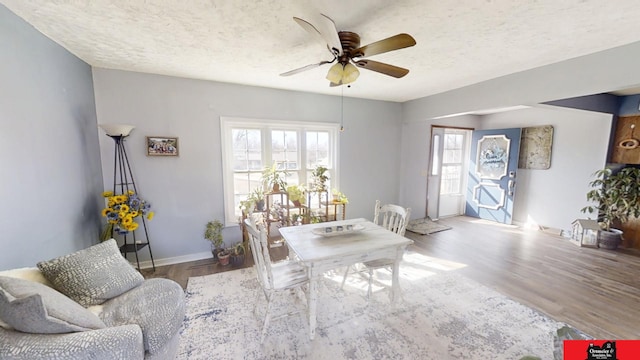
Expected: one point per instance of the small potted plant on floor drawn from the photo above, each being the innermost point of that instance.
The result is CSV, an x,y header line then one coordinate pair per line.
x,y
617,196
213,233
223,257
237,255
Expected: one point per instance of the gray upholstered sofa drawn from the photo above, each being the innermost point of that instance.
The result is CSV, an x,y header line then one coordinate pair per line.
x,y
91,304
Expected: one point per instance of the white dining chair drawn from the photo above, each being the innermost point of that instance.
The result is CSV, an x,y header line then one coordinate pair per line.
x,y
274,278
393,218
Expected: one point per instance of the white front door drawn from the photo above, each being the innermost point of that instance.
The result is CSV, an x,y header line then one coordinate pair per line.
x,y
446,180
453,172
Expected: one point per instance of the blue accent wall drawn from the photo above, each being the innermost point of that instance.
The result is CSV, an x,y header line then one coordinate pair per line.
x,y
604,103
629,105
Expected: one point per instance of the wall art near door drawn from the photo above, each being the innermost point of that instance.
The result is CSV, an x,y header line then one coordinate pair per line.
x,y
535,147
162,146
493,157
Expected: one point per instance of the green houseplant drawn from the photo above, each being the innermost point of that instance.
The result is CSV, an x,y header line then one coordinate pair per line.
x,y
617,196
273,178
237,254
213,233
339,197
297,194
257,197
253,202
319,178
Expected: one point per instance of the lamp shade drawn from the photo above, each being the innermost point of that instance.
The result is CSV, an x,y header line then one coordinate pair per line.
x,y
117,129
350,73
335,73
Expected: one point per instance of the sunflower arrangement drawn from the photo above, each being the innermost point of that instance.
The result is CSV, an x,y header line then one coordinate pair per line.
x,y
121,212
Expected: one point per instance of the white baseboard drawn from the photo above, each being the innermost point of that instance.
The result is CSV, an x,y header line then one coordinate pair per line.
x,y
175,260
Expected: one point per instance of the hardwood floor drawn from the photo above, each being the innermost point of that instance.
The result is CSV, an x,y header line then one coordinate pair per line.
x,y
597,291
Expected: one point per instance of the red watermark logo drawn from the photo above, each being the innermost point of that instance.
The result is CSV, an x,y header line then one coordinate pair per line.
x,y
601,349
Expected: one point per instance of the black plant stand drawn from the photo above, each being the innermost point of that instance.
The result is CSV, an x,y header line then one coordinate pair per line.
x,y
123,181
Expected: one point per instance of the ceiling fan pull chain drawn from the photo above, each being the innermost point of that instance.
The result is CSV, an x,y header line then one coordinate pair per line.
x,y
342,110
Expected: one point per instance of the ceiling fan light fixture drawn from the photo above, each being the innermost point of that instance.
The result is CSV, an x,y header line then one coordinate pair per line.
x,y
350,73
335,73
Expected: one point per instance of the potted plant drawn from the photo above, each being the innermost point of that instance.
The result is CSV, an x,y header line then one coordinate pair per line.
x,y
310,217
297,194
253,202
213,233
247,205
257,195
339,198
237,255
618,198
223,257
319,178
274,179
278,213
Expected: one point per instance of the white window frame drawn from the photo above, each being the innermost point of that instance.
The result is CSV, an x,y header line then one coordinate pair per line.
x,y
229,123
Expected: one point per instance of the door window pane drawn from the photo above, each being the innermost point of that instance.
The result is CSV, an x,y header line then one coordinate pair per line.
x,y
435,162
452,164
450,183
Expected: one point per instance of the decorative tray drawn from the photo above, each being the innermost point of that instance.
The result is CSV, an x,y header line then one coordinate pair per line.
x,y
329,231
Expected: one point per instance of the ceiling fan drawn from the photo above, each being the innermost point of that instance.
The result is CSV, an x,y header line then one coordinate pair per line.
x,y
345,48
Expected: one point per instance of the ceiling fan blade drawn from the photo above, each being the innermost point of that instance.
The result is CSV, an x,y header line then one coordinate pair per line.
x,y
382,68
305,68
308,27
332,84
395,42
330,33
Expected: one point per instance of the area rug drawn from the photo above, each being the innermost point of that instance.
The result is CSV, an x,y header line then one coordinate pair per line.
x,y
442,315
426,226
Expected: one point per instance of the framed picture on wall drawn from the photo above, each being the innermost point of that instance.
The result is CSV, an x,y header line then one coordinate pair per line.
x,y
162,146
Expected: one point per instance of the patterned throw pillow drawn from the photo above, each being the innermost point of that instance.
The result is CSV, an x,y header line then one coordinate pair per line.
x,y
32,307
93,275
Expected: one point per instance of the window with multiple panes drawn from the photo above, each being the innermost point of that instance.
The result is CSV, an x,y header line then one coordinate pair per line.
x,y
250,145
452,162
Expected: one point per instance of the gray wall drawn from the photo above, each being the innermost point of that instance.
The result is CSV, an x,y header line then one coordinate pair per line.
x,y
186,191
51,175
597,73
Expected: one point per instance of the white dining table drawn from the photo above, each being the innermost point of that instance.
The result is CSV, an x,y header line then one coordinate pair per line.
x,y
321,253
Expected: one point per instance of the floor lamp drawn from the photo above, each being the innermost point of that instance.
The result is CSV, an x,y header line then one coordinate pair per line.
x,y
123,182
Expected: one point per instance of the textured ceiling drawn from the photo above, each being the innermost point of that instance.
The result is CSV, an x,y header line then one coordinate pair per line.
x,y
250,42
